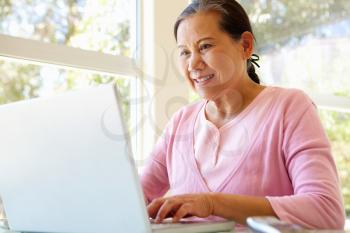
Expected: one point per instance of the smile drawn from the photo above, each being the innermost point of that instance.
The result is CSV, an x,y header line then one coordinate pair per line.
x,y
204,80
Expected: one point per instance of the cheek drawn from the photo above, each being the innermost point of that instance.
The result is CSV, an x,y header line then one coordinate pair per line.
x,y
183,67
224,64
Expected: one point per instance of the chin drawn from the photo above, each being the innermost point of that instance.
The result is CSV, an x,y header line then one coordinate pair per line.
x,y
212,92
206,95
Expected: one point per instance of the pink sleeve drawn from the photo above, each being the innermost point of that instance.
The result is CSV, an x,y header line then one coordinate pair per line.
x,y
317,201
154,176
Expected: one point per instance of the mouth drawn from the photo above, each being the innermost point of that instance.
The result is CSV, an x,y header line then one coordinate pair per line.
x,y
204,79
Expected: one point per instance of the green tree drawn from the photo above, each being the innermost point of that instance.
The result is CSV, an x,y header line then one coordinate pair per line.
x,y
337,125
277,22
63,22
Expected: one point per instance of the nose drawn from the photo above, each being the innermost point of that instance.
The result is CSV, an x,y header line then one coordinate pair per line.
x,y
195,62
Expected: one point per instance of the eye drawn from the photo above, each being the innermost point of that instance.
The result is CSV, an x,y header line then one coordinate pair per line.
x,y
184,52
204,47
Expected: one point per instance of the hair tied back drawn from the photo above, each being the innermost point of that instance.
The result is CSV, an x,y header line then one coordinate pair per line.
x,y
254,59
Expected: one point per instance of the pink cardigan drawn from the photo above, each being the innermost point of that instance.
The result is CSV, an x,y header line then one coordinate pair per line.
x,y
288,161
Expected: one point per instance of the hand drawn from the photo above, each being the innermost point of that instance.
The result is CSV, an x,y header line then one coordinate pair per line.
x,y
177,207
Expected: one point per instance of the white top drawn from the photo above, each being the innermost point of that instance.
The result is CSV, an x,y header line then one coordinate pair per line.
x,y
212,154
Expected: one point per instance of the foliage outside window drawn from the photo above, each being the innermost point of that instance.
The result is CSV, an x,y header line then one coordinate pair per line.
x,y
96,25
24,81
102,26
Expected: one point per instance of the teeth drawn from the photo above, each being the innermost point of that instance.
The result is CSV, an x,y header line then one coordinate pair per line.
x,y
203,79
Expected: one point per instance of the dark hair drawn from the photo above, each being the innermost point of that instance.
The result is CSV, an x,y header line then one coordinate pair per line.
x,y
234,21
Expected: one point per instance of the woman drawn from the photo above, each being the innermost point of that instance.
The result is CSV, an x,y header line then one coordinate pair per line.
x,y
245,149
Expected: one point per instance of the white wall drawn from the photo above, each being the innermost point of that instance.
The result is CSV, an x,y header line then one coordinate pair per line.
x,y
164,90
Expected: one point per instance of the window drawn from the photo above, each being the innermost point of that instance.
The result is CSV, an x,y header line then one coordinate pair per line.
x,y
305,44
337,125
20,81
92,25
53,46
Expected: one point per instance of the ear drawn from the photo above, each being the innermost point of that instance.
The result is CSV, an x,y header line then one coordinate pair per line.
x,y
247,40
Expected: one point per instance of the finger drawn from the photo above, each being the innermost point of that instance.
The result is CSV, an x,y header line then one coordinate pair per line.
x,y
169,206
183,211
154,206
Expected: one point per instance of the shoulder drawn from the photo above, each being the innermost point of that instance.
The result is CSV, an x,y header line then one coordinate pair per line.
x,y
185,116
189,111
291,94
291,99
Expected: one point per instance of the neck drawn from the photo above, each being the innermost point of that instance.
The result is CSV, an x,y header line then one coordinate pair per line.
x,y
233,101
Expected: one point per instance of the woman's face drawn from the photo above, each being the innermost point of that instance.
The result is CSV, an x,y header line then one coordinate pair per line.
x,y
210,59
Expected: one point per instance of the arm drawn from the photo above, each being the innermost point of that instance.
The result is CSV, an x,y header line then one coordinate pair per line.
x,y
317,201
239,207
154,176
235,207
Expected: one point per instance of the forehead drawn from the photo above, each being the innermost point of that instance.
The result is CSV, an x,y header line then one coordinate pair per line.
x,y
202,24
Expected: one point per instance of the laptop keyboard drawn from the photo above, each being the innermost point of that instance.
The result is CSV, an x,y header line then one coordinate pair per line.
x,y
188,226
166,225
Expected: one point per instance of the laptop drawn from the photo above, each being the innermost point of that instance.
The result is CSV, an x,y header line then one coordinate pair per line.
x,y
66,166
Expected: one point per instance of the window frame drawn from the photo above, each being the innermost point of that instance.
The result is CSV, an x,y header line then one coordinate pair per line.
x,y
152,25
37,52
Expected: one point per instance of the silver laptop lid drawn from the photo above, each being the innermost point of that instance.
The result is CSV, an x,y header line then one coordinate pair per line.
x,y
65,165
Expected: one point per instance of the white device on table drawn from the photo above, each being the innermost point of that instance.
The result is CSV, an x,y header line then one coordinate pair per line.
x,y
271,224
66,166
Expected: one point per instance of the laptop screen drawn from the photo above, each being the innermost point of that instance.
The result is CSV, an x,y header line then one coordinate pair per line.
x,y
66,165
